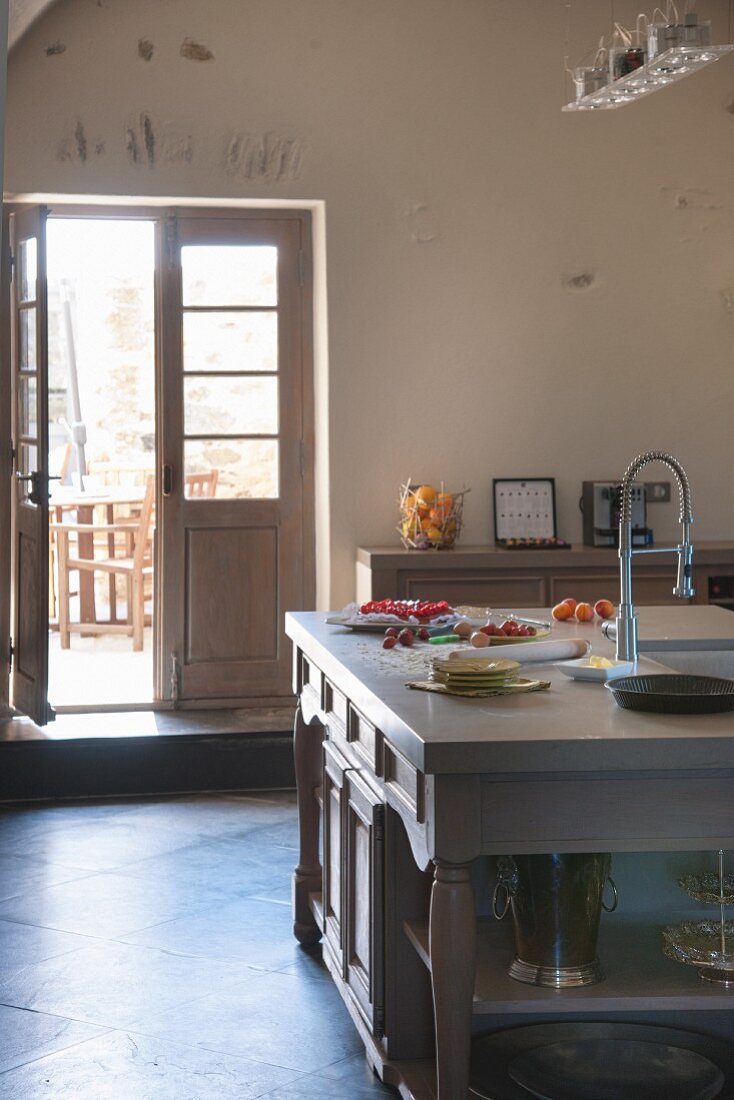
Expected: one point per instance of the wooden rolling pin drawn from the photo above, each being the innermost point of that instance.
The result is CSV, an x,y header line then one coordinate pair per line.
x,y
566,649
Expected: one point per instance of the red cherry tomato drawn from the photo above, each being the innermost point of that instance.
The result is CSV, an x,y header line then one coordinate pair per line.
x,y
390,642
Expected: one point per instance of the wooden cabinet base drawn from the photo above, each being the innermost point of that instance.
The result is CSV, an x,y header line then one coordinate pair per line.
x,y
491,576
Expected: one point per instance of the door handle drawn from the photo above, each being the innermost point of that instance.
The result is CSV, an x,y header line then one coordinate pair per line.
x,y
167,486
36,479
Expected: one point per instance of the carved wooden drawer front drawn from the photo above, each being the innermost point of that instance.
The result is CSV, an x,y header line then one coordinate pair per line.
x,y
335,708
333,858
311,682
404,780
365,740
500,590
364,954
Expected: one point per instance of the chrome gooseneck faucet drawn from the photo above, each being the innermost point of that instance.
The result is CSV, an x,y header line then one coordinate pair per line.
x,y
625,624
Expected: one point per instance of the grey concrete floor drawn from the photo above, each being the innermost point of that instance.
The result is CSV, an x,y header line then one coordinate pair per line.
x,y
146,952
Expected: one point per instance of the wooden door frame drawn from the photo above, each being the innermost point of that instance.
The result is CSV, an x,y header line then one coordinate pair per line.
x,y
5,376
156,212
5,466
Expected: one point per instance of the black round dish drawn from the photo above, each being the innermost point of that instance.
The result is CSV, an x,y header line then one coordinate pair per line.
x,y
493,1054
672,693
616,1069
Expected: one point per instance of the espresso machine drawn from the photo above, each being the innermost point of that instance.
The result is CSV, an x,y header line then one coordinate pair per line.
x,y
600,503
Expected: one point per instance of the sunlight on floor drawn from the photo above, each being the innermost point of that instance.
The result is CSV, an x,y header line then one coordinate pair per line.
x,y
100,670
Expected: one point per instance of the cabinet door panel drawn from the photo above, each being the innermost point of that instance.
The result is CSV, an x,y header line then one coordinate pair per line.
x,y
364,954
333,862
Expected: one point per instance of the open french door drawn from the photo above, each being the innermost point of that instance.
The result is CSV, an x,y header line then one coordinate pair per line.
x,y
29,360
236,550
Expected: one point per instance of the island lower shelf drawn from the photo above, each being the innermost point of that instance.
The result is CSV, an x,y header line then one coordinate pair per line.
x,y
638,976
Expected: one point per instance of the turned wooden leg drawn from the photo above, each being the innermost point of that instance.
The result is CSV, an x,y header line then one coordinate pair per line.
x,y
452,937
62,558
138,610
307,741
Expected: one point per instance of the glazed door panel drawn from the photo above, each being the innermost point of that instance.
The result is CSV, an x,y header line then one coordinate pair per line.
x,y
236,494
29,679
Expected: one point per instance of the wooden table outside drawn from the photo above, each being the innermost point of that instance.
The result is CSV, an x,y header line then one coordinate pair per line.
x,y
67,498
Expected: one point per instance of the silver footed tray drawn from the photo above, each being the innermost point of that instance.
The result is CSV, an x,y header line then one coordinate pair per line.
x,y
707,944
709,888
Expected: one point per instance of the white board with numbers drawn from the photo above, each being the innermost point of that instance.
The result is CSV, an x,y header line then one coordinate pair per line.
x,y
524,509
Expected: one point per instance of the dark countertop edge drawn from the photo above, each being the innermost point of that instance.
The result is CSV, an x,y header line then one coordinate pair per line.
x,y
505,759
509,760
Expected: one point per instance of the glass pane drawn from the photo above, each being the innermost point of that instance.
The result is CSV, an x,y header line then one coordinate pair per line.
x,y
242,467
27,405
230,341
27,458
28,339
27,269
230,406
230,275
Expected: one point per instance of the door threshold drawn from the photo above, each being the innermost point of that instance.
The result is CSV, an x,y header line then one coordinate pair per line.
x,y
111,708
148,723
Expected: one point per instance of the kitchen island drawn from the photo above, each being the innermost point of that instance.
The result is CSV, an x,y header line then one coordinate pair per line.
x,y
412,791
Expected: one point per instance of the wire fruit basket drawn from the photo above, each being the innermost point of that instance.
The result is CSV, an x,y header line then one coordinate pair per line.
x,y
430,519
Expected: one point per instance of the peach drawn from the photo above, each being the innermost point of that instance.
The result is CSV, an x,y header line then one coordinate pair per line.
x,y
604,609
571,603
562,611
584,612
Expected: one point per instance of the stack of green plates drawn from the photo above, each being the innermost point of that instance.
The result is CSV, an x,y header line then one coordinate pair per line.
x,y
474,673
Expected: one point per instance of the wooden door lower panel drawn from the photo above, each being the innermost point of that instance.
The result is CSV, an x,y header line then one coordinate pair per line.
x,y
232,612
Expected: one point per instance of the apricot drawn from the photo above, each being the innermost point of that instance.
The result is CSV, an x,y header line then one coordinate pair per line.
x,y
425,496
562,611
571,603
604,609
584,612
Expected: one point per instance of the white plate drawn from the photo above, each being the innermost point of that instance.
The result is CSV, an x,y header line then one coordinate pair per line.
x,y
582,670
380,625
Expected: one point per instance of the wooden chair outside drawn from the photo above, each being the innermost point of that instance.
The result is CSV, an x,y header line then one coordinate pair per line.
x,y
201,485
135,566
115,474
62,476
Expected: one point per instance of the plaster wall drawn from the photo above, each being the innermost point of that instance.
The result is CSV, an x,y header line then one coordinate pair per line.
x,y
511,291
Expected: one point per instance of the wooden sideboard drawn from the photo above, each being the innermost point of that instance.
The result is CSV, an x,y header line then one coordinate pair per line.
x,y
404,796
492,576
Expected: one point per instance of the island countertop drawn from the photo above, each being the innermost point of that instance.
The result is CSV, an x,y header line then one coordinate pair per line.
x,y
572,727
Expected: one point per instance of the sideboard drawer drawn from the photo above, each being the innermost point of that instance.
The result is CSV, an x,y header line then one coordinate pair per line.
x,y
479,589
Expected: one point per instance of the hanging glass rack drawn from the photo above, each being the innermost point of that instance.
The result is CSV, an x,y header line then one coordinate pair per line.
x,y
663,70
